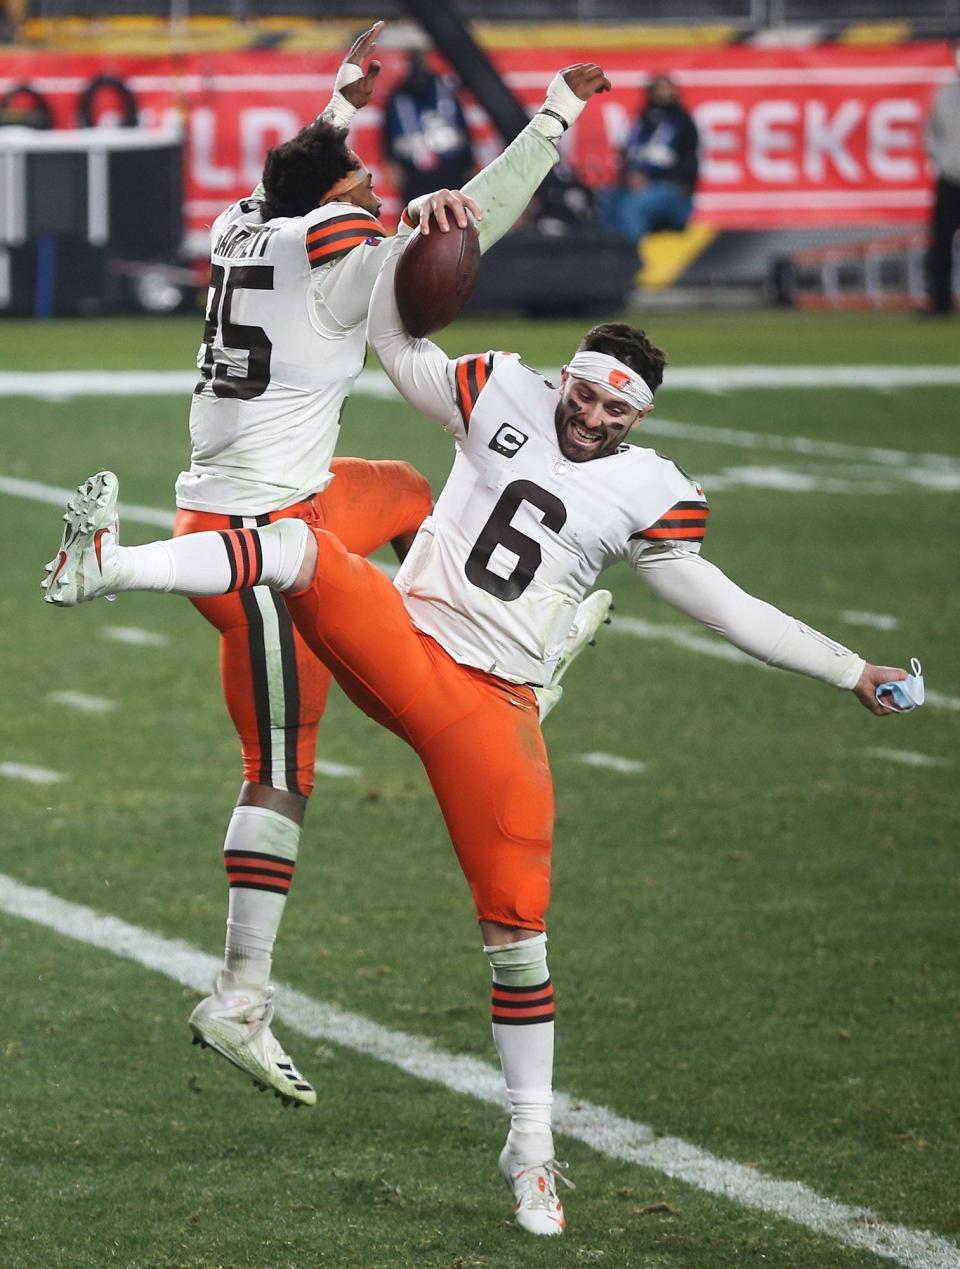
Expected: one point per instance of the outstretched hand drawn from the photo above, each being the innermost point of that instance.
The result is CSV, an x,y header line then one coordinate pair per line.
x,y
871,678
361,90
585,79
442,204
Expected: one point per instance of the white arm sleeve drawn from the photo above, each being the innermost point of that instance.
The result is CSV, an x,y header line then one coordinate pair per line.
x,y
504,187
698,588
419,370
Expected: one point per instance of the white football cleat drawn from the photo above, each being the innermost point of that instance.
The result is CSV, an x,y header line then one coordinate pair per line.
x,y
236,1024
592,613
86,565
538,1209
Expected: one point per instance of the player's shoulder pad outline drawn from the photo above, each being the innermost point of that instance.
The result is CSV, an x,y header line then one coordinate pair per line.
x,y
337,232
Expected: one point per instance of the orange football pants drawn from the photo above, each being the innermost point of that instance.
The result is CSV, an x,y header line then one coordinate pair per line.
x,y
274,687
477,736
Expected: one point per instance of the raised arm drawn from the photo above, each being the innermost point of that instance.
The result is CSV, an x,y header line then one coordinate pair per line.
x,y
503,188
353,86
694,586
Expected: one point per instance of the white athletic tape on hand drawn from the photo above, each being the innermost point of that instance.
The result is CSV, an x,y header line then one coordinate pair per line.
x,y
348,73
338,110
561,98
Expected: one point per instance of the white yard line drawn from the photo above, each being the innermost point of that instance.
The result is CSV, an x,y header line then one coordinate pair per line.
x,y
873,620
939,701
82,702
64,384
906,757
596,1126
337,770
32,775
612,762
135,635
55,496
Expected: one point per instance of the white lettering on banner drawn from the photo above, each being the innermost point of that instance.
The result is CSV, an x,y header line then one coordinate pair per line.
x,y
616,124
773,135
203,168
765,139
893,125
719,124
260,128
825,139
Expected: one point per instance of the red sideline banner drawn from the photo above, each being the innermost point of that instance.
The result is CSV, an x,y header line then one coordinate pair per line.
x,y
790,137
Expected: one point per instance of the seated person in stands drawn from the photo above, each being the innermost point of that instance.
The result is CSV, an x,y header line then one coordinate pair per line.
x,y
658,168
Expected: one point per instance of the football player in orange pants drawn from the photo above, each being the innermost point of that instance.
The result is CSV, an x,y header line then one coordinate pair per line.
x,y
292,270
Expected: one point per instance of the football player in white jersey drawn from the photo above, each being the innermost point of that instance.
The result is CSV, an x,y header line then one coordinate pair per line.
x,y
292,271
544,493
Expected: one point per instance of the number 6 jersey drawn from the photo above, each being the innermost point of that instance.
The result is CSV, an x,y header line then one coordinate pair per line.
x,y
520,533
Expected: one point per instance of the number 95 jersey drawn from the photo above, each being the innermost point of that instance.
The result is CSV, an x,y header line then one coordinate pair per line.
x,y
284,340
520,533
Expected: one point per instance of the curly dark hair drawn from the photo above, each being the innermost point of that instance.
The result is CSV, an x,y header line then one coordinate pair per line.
x,y
630,345
300,171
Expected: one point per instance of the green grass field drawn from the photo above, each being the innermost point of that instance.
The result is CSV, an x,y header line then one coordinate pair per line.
x,y
753,936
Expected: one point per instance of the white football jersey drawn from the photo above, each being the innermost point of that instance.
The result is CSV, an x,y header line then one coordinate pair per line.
x,y
284,340
520,533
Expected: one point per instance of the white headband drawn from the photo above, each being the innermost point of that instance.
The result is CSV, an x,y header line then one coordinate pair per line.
x,y
618,379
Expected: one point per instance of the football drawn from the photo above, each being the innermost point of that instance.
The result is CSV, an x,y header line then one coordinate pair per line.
x,y
435,277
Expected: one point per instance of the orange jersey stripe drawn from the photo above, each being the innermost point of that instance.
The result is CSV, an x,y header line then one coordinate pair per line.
x,y
267,865
260,877
340,247
675,532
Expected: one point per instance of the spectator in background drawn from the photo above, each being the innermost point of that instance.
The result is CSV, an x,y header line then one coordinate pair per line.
x,y
426,142
943,146
658,168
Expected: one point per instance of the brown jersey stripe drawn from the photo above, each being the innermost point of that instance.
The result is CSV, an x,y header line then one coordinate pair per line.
x,y
472,376
512,994
685,521
350,220
230,547
258,881
521,1017
235,884
538,1002
357,233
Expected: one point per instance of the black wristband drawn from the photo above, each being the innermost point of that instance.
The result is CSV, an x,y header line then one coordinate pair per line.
x,y
544,110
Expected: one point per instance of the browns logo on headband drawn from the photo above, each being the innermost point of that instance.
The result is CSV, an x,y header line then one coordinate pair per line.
x,y
617,378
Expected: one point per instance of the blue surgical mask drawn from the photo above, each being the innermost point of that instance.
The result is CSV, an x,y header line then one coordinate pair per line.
x,y
906,694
